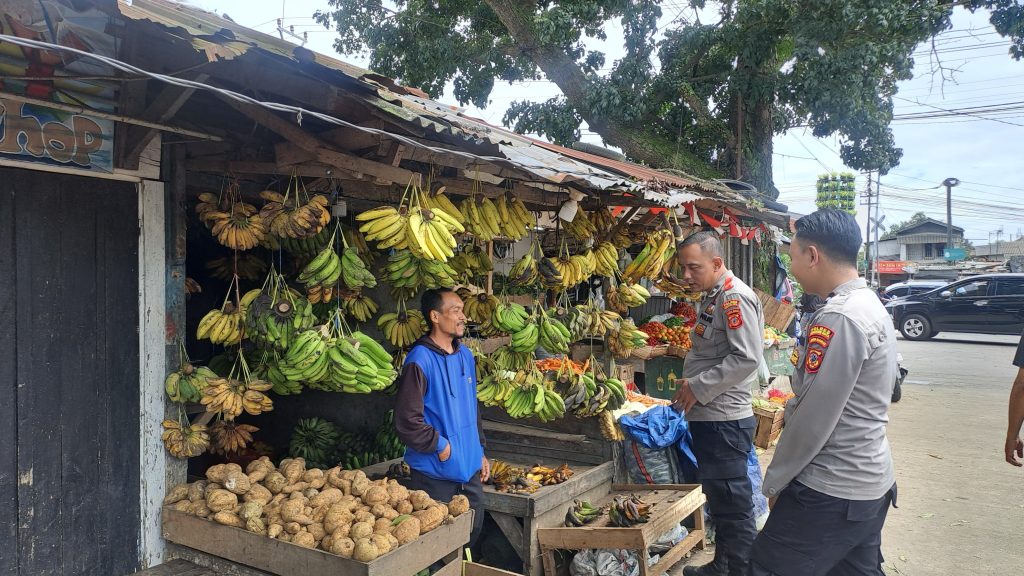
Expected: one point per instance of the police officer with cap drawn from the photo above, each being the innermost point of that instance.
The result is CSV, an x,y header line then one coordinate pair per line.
x,y
715,396
832,473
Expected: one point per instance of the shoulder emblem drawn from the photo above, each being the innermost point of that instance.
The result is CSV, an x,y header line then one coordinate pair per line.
x,y
734,315
699,329
731,303
818,339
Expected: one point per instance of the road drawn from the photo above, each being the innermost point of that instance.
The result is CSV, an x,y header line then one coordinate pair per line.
x,y
961,507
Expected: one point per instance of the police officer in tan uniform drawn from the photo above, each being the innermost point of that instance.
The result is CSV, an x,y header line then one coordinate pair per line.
x,y
832,472
715,397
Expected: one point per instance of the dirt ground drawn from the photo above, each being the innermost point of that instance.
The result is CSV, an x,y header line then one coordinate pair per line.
x,y
961,507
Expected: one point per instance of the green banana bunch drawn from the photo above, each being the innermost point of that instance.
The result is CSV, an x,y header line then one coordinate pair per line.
x,y
582,512
186,384
358,365
509,317
314,439
353,270
323,270
554,336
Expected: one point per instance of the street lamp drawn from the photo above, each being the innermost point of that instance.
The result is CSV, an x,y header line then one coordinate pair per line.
x,y
949,183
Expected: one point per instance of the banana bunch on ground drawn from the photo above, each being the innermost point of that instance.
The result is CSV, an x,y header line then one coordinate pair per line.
x,y
230,396
626,511
402,328
509,317
354,273
479,307
547,476
358,365
599,322
407,274
307,247
627,338
354,238
625,296
321,274
186,384
659,248
387,226
609,428
581,512
481,217
358,306
184,440
524,272
513,218
581,227
287,218
249,266
225,325
276,316
471,260
233,223
230,437
360,451
316,441
606,259
553,336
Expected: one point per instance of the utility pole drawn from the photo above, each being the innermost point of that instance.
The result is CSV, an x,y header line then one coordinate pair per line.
x,y
867,236
949,183
878,222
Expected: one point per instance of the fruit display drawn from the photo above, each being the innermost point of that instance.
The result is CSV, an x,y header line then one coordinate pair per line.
x,y
233,223
358,306
186,384
277,315
625,339
627,511
625,296
606,259
581,227
669,280
658,333
659,248
407,274
589,392
227,437
338,511
581,512
358,451
511,479
546,476
184,439
230,396
403,327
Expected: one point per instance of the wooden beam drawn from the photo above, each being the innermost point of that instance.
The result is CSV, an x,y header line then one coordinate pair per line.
x,y
163,108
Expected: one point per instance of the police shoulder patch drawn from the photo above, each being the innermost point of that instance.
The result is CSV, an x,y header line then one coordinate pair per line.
x,y
731,303
734,317
818,339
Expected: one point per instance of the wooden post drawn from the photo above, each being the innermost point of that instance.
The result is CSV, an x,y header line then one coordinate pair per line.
x,y
490,275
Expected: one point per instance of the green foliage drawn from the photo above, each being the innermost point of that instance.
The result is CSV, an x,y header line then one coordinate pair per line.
x,y
769,65
918,217
837,191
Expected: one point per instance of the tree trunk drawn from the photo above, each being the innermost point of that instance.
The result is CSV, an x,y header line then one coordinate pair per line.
x,y
639,144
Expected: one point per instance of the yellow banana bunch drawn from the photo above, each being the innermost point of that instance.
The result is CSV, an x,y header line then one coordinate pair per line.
x,y
525,271
184,440
479,307
670,282
606,259
598,322
431,233
402,328
514,219
439,201
481,217
229,437
223,326
660,247
229,397
572,269
387,226
359,306
186,384
287,218
239,227
581,228
471,260
625,296
603,220
627,338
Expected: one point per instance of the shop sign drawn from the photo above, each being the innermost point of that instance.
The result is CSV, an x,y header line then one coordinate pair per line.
x,y
40,134
892,266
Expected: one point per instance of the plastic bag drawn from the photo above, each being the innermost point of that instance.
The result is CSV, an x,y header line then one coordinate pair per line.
x,y
651,465
605,563
760,502
666,541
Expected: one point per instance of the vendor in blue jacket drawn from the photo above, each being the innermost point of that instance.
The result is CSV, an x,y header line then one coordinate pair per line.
x,y
436,413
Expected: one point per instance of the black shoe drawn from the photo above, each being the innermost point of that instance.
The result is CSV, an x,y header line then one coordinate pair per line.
x,y
714,568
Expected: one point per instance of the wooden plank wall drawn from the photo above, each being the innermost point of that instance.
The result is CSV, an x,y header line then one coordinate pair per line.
x,y
8,389
75,377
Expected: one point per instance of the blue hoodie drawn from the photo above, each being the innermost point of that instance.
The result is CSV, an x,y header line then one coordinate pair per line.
x,y
436,406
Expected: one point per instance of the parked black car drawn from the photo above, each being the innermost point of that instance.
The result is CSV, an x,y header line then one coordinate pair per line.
x,y
909,288
984,304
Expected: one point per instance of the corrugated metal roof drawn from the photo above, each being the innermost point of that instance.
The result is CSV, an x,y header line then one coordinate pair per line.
x,y
553,166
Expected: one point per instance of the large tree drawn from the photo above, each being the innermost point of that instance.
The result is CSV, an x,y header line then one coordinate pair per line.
x,y
702,97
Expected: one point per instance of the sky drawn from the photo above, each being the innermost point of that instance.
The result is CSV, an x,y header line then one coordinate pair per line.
x,y
978,146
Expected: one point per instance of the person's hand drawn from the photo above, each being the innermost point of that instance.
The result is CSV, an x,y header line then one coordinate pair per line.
x,y
1014,450
684,399
445,454
485,470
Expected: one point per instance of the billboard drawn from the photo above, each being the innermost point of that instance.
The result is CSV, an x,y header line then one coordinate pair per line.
x,y
40,134
892,266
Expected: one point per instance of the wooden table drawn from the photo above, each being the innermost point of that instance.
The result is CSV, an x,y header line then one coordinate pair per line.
x,y
672,503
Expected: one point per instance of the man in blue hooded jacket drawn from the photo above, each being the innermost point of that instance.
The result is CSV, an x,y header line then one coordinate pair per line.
x,y
436,413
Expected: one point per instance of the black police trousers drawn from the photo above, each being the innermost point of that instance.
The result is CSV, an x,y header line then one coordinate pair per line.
x,y
444,490
721,449
813,534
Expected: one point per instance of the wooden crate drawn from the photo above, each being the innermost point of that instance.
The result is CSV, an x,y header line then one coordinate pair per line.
x,y
287,559
648,352
769,426
777,314
672,504
677,351
474,569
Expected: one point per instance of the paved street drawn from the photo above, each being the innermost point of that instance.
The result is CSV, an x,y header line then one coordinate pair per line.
x,y
961,506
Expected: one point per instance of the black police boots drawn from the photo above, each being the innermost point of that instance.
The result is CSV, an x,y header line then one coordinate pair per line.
x,y
718,567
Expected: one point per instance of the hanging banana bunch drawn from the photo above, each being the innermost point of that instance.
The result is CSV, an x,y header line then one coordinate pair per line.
x,y
230,396
184,439
233,223
403,327
581,228
295,215
358,306
186,384
660,247
514,220
226,325
606,259
275,316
